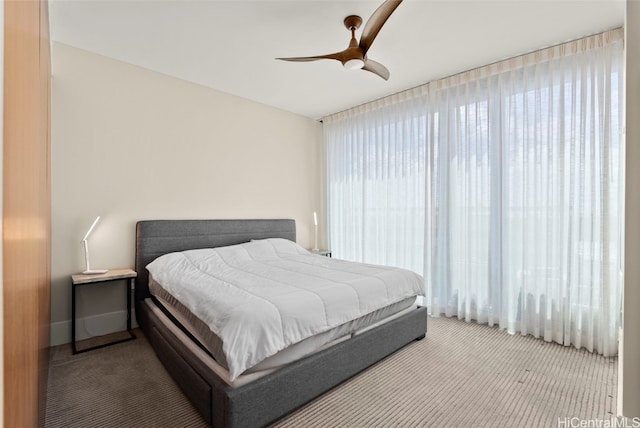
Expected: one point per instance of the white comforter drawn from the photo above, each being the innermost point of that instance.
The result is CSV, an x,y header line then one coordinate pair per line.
x,y
263,296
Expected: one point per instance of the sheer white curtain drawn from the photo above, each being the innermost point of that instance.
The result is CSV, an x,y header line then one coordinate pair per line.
x,y
521,191
376,174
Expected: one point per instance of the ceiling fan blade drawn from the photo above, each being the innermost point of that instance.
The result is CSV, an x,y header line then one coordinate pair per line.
x,y
375,23
376,68
337,55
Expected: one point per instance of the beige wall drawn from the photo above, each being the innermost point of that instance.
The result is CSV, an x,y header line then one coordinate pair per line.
x,y
629,368
130,144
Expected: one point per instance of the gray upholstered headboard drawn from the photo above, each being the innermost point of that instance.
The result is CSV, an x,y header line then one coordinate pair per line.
x,y
157,237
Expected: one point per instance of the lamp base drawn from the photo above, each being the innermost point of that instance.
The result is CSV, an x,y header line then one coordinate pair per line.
x,y
94,271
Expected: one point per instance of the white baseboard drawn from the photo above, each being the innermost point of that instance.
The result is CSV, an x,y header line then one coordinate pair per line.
x,y
87,327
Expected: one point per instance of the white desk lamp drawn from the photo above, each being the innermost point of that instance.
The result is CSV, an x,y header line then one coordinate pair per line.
x,y
315,224
90,271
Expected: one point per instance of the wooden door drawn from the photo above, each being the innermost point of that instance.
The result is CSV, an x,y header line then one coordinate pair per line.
x,y
26,218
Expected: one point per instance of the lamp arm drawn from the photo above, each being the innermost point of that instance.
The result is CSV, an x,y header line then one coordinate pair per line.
x,y
93,225
86,255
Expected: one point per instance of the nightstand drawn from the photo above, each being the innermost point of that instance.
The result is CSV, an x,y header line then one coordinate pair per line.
x,y
80,279
326,253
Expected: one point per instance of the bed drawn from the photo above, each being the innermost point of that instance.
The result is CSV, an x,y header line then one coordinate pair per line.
x,y
267,396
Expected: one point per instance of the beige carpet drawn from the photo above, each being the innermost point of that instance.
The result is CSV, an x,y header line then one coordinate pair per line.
x,y
460,375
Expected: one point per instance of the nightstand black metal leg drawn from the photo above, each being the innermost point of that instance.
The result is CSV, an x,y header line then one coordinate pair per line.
x,y
73,319
129,291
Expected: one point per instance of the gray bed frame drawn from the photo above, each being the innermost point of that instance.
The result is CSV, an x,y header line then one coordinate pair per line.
x,y
272,396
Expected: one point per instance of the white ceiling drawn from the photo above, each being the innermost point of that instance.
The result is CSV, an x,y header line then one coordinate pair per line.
x,y
231,45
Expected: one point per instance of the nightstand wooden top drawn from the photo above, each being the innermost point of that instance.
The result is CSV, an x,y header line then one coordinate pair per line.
x,y
109,275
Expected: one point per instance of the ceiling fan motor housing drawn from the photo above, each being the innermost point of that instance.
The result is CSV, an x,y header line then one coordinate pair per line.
x,y
353,58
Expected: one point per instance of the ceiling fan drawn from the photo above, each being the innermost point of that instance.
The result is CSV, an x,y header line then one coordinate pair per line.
x,y
355,56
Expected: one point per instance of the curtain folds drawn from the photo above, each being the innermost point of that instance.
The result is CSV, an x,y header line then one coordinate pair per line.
x,y
376,173
502,185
